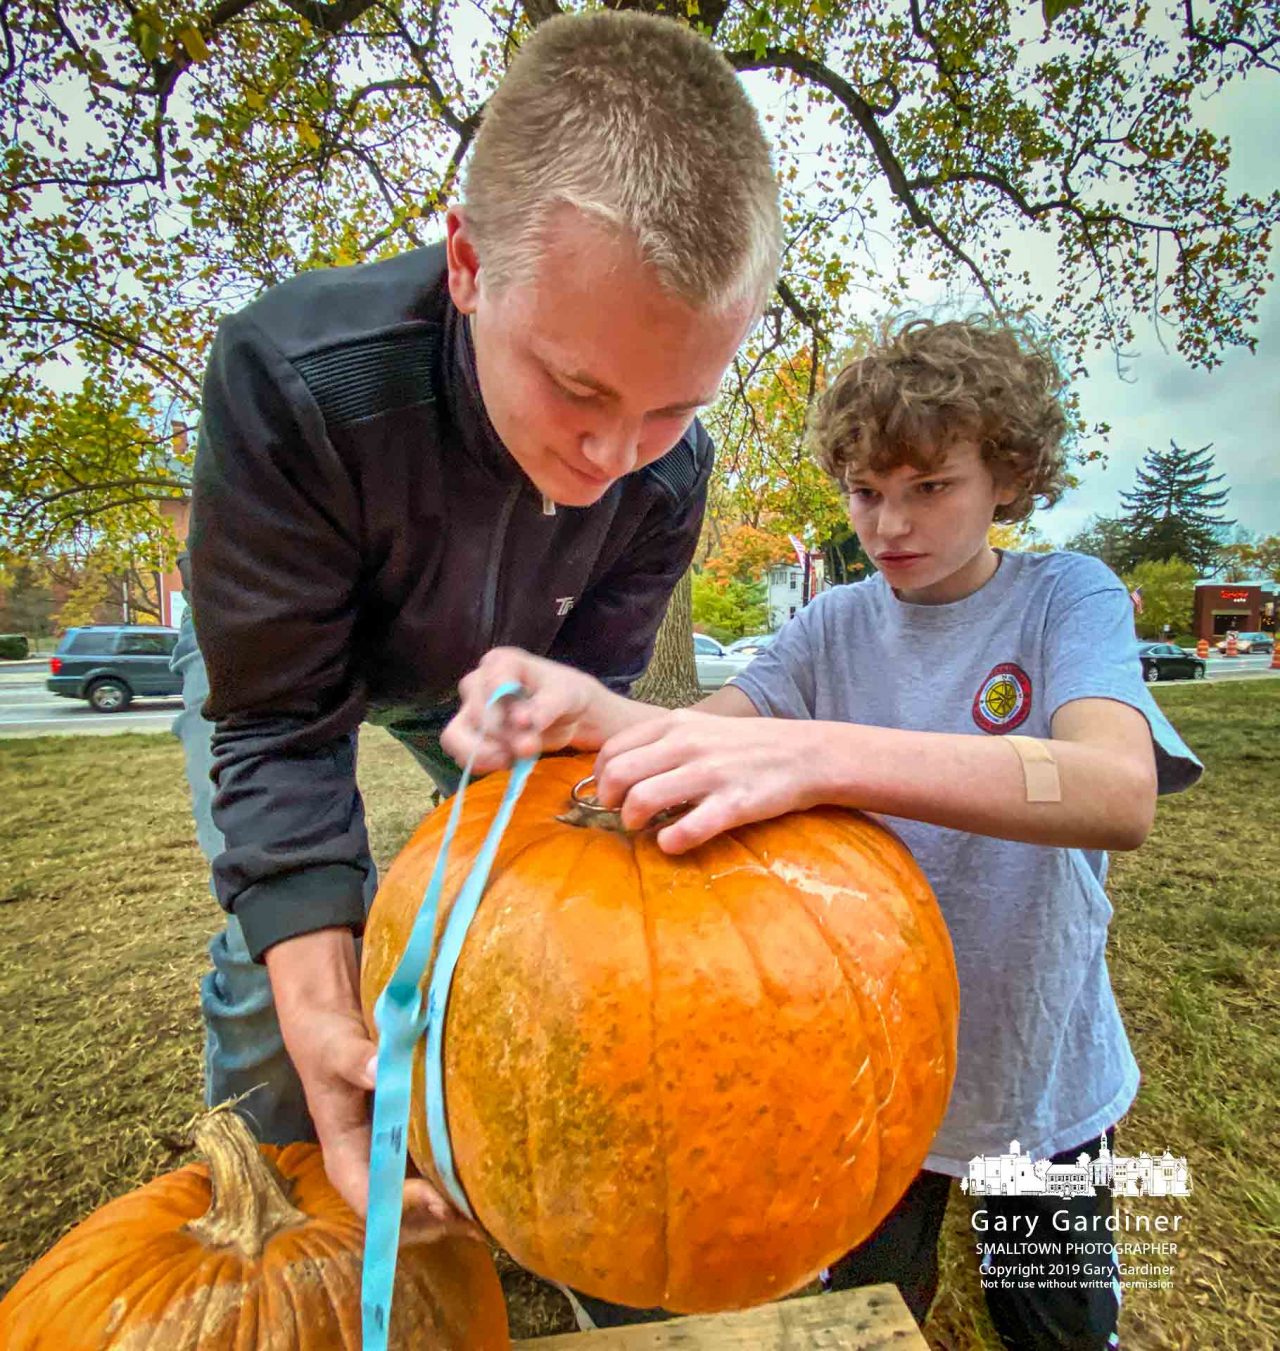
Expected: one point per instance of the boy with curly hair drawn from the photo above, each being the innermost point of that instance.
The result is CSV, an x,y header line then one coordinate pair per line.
x,y
990,704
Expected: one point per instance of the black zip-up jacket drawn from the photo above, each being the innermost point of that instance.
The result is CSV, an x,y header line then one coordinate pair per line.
x,y
360,538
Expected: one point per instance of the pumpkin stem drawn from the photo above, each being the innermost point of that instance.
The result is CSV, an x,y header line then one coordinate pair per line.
x,y
588,815
586,812
250,1202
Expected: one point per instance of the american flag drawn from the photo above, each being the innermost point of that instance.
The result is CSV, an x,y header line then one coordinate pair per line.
x,y
1136,597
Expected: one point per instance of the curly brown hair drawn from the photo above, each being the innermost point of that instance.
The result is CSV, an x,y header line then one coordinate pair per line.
x,y
927,385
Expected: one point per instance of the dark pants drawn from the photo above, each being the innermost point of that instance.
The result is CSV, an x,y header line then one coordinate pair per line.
x,y
1064,1296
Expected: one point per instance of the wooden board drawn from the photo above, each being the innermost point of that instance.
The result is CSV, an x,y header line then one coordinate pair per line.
x,y
872,1318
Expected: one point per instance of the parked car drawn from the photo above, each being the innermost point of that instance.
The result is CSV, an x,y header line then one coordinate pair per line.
x,y
715,663
1250,642
1164,661
110,665
753,644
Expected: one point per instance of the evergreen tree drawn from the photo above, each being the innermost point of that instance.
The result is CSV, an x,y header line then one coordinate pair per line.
x,y
1172,512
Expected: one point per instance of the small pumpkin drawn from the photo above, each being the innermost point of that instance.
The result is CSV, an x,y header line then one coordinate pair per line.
x,y
688,1082
253,1252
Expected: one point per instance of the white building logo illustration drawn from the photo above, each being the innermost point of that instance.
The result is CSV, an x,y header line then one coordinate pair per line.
x,y
1018,1174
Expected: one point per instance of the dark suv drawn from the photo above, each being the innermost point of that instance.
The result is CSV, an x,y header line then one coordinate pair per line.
x,y
112,664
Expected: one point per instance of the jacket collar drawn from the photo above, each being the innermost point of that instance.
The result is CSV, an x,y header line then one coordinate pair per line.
x,y
460,391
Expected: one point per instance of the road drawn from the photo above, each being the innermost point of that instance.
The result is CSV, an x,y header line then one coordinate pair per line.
x,y
28,709
1249,666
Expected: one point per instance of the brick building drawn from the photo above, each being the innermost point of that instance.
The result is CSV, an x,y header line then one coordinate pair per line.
x,y
1243,606
177,512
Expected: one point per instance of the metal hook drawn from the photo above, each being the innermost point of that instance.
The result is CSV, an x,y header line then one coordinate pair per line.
x,y
588,806
587,801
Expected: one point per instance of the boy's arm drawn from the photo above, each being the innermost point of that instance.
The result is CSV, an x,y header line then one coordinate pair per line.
x,y
562,707
1101,756
1101,752
614,713
727,702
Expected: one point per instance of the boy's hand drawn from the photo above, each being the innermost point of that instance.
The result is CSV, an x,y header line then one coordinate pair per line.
x,y
733,770
563,707
315,982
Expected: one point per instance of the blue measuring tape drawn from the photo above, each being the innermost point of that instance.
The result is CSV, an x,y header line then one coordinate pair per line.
x,y
402,1016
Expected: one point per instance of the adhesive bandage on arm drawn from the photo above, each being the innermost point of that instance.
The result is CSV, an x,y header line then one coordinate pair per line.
x,y
1039,769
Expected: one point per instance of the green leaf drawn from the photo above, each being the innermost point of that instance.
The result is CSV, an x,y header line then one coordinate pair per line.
x,y
149,40
193,40
1054,9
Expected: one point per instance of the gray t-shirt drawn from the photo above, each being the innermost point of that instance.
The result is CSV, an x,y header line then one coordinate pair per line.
x,y
1043,1056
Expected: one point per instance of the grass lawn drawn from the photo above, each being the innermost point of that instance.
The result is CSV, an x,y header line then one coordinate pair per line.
x,y
105,915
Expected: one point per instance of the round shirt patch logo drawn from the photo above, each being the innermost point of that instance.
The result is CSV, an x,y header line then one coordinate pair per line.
x,y
1003,700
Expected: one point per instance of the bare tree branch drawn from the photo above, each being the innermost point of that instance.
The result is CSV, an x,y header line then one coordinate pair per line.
x,y
709,13
154,359
539,11
779,58
422,53
383,87
85,513
10,54
1255,50
811,319
330,19
37,504
167,73
1034,210
940,62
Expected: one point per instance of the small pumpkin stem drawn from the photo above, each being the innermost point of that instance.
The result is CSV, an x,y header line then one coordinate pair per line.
x,y
586,812
592,815
250,1203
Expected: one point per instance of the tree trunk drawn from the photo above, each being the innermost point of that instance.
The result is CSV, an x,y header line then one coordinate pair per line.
x,y
672,678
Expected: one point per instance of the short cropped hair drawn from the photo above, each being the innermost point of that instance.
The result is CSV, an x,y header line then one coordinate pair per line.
x,y
641,123
927,385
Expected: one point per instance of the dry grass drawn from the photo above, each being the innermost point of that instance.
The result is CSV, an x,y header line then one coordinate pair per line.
x,y
105,914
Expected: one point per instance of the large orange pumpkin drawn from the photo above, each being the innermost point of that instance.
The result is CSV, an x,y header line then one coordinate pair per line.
x,y
266,1257
687,1081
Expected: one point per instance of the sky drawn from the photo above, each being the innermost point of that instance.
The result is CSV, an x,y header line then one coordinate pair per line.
x,y
1160,398
1152,396
1236,407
